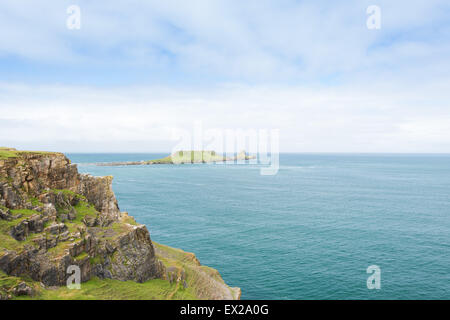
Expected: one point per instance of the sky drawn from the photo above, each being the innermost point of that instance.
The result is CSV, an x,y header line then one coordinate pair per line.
x,y
136,71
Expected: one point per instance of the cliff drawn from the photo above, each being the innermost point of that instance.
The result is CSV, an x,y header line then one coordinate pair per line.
x,y
52,217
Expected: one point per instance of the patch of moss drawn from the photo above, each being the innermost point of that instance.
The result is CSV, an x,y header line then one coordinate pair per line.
x,y
68,194
24,212
130,220
6,240
81,256
119,227
35,202
96,260
84,209
61,248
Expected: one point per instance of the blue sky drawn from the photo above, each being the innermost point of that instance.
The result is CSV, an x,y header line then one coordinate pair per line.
x,y
136,70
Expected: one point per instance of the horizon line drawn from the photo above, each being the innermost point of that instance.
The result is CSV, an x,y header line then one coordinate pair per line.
x,y
283,152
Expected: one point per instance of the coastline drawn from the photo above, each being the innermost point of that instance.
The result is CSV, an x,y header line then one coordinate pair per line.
x,y
53,218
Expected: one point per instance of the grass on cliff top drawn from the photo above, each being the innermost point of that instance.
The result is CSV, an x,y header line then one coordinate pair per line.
x,y
166,252
7,153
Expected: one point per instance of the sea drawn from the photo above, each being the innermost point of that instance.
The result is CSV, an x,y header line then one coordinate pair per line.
x,y
326,226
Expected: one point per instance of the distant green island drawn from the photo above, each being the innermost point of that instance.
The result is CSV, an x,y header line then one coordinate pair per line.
x,y
185,157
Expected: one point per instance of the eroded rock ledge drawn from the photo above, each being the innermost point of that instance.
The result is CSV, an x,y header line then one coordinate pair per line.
x,y
52,217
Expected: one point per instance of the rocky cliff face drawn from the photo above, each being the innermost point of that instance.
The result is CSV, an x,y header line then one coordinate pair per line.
x,y
59,218
52,217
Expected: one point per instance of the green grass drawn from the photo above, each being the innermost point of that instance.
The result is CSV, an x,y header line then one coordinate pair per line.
x,y
8,153
7,283
82,209
102,289
109,289
81,256
67,193
35,202
24,212
118,228
130,220
201,278
96,260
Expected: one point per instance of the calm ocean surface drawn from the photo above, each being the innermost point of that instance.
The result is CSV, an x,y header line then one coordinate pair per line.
x,y
309,232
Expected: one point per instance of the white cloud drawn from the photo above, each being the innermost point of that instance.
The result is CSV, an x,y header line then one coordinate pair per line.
x,y
249,40
310,68
345,119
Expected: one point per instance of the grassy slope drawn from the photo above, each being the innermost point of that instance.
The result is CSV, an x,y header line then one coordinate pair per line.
x,y
103,289
203,278
108,289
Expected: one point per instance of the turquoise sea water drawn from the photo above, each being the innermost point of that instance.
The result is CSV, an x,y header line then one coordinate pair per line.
x,y
309,232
